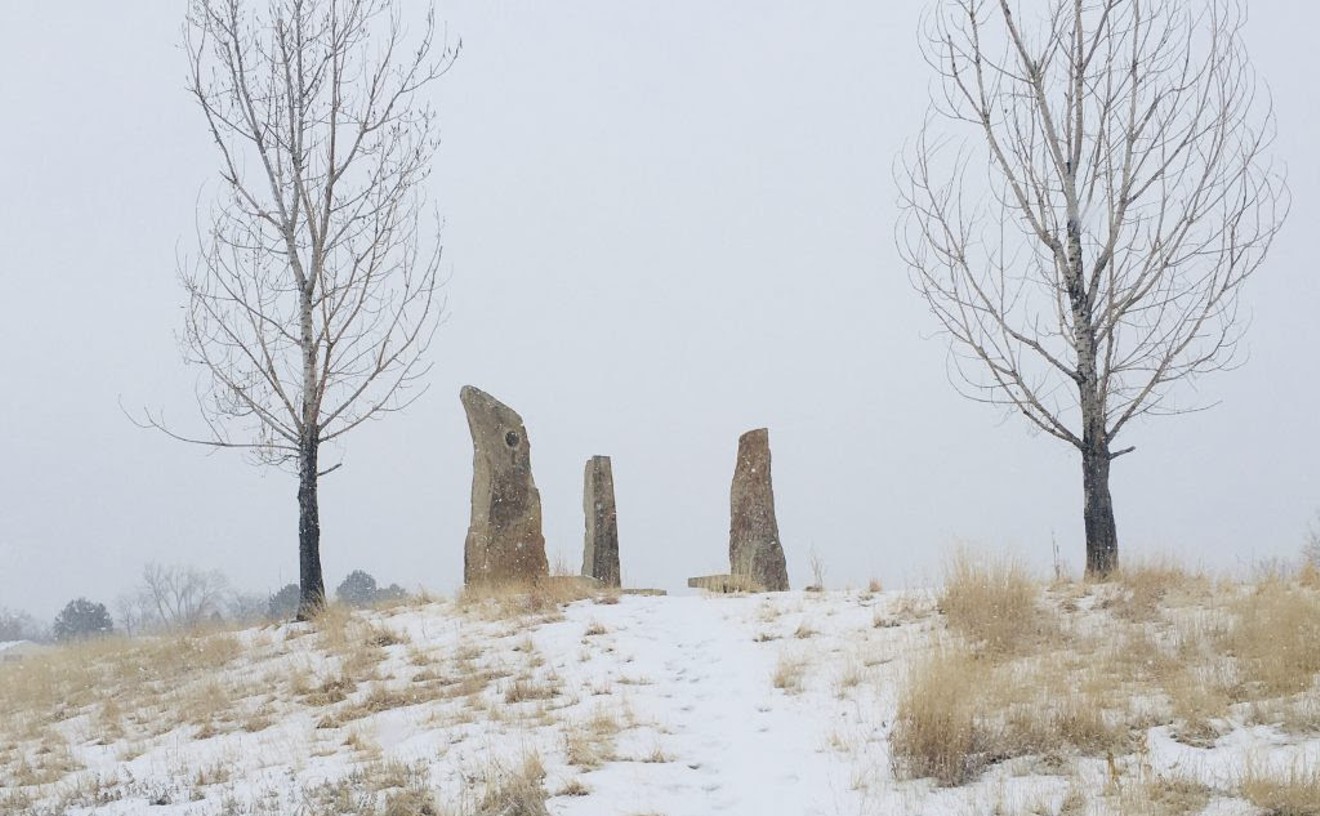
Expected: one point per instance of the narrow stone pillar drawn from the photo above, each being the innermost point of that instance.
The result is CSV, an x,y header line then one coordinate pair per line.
x,y
600,549
755,552
504,541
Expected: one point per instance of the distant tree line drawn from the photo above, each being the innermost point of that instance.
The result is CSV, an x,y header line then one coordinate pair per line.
x,y
178,598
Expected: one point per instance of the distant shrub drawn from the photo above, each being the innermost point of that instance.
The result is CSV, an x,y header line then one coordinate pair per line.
x,y
283,604
81,619
18,625
358,589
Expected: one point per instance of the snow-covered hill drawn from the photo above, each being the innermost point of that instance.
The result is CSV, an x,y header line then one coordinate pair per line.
x,y
789,703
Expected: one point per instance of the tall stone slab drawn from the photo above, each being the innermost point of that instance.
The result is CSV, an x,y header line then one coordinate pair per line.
x,y
600,549
504,541
755,552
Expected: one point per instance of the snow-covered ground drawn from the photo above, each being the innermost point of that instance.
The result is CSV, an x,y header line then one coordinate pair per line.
x,y
682,705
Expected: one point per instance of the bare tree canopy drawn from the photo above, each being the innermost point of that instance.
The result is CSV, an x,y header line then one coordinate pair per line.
x,y
314,294
178,597
1081,209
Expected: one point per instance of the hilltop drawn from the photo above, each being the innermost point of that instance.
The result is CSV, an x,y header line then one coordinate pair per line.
x,y
1160,693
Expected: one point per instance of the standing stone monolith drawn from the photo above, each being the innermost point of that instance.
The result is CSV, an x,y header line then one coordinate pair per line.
x,y
600,549
755,552
504,541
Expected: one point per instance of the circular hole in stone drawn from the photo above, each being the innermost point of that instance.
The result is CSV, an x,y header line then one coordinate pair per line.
x,y
511,439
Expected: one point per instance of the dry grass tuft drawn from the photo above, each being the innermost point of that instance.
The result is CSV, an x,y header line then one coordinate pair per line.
x,y
1164,796
789,672
590,744
1293,793
993,605
524,689
515,792
938,732
1199,701
384,698
584,750
1142,590
1274,637
539,599
331,624
961,710
375,788
574,787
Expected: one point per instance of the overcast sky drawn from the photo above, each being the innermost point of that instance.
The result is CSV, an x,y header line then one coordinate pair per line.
x,y
666,224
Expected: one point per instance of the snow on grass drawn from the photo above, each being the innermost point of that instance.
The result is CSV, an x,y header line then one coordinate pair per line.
x,y
1160,693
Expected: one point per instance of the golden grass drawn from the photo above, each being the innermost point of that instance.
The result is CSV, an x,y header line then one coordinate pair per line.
x,y
381,697
991,604
590,743
1295,792
1078,670
1153,795
131,692
938,732
1020,678
538,599
517,791
961,710
1140,591
585,750
789,673
574,787
1033,675
524,689
167,682
1274,637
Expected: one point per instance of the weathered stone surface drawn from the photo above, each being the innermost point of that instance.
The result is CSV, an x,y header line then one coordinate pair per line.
x,y
600,549
724,583
504,541
755,552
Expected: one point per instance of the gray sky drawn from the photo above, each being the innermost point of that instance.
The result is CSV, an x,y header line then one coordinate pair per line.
x,y
666,224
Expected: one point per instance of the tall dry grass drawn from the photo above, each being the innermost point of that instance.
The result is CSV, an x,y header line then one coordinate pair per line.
x,y
1026,674
993,604
1291,792
542,599
1275,638
1139,591
939,732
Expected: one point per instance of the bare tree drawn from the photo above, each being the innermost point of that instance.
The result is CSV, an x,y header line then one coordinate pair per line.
x,y
1084,246
129,613
178,597
18,625
314,295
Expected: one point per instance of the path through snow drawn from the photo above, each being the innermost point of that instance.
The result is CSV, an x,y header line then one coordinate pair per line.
x,y
736,743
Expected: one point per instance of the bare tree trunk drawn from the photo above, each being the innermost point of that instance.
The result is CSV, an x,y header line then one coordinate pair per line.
x,y
311,585
1097,503
1098,509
